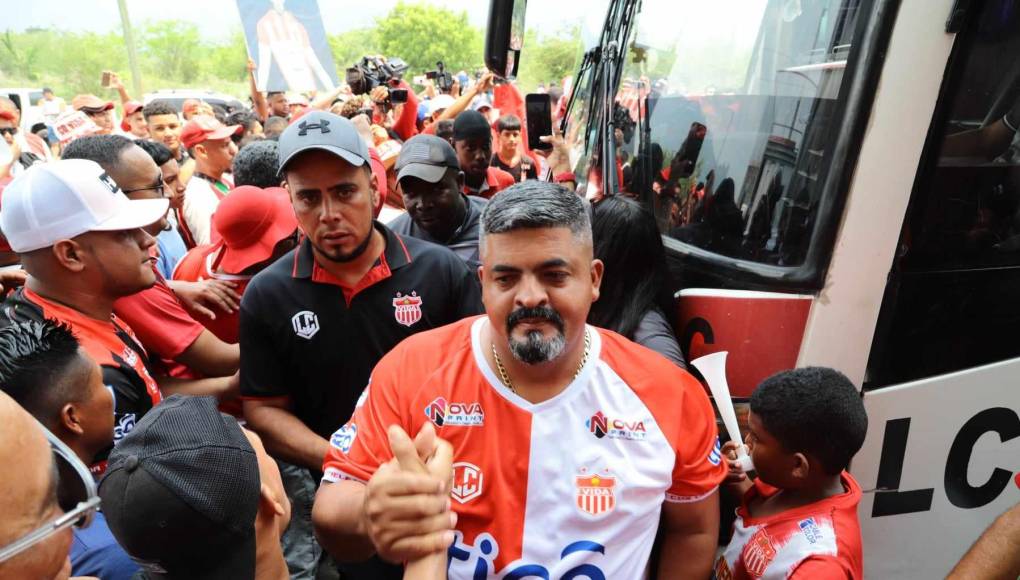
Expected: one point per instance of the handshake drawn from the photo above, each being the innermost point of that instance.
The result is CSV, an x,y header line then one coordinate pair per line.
x,y
407,508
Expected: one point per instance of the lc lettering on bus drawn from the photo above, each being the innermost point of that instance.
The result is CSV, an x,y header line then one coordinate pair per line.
x,y
960,492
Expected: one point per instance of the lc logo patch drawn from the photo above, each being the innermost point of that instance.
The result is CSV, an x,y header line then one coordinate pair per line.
x,y
306,324
407,309
467,482
596,494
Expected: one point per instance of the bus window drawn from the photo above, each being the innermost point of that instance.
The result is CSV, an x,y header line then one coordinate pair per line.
x,y
759,85
952,298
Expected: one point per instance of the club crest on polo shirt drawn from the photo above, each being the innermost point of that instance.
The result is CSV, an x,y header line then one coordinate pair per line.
x,y
596,492
306,324
407,309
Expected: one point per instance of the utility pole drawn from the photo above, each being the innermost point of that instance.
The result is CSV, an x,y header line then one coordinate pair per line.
x,y
129,40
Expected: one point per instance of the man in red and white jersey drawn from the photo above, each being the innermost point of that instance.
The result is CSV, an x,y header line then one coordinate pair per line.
x,y
282,37
572,445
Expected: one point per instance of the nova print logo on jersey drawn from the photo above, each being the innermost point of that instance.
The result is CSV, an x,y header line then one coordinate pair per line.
x,y
758,553
306,324
407,309
602,426
467,482
344,438
596,493
454,414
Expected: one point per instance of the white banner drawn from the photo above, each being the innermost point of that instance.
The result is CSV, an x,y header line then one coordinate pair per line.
x,y
948,448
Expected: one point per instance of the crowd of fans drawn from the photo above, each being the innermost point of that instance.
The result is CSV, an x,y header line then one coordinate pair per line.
x,y
276,342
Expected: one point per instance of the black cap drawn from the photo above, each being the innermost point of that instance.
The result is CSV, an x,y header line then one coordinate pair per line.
x,y
471,125
426,157
325,131
181,492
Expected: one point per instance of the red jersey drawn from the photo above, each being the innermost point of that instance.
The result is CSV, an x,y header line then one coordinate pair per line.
x,y
111,343
196,266
163,325
496,180
568,487
820,540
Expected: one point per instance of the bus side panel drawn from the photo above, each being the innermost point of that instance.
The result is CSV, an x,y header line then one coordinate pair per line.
x,y
947,449
762,331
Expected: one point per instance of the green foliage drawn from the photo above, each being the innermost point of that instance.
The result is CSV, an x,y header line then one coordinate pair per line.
x,y
550,58
172,49
422,34
350,46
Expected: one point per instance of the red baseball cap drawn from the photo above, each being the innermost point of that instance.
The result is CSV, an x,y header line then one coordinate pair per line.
x,y
203,127
91,102
251,221
132,107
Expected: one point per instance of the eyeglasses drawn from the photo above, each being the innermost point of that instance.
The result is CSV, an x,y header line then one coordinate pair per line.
x,y
8,130
76,495
159,187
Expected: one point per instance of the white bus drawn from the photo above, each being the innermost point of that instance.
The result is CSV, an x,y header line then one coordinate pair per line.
x,y
835,186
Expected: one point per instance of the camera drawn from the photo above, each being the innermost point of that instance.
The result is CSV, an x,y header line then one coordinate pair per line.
x,y
371,72
442,77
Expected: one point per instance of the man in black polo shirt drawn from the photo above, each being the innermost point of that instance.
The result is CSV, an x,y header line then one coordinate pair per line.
x,y
431,181
315,323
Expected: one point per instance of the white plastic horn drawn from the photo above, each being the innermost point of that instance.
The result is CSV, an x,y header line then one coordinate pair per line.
x,y
713,368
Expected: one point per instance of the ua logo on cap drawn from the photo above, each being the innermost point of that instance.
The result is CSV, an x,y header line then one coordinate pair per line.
x,y
305,127
109,182
305,323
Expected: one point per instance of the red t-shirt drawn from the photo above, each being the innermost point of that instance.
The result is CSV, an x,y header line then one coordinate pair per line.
x,y
196,266
162,324
496,180
820,540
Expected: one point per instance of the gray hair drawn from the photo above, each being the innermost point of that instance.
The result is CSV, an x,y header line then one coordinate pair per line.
x,y
536,204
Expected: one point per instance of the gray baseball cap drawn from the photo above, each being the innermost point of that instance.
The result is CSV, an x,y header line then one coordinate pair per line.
x,y
426,157
325,131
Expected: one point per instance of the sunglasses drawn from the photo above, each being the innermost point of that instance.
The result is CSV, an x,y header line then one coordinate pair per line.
x,y
76,495
8,130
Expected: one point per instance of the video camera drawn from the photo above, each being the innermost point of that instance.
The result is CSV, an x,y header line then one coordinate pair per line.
x,y
442,77
371,72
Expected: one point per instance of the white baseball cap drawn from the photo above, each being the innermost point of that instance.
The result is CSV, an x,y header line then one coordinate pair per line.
x,y
58,201
440,102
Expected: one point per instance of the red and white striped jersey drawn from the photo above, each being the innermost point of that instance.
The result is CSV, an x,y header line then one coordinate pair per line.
x,y
569,487
820,540
288,40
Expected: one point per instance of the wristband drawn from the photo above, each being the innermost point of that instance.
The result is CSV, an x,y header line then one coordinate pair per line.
x,y
564,177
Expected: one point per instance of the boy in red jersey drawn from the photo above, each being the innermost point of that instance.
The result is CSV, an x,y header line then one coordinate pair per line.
x,y
798,519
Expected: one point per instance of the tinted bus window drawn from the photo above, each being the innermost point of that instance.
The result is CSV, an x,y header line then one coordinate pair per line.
x,y
743,110
952,298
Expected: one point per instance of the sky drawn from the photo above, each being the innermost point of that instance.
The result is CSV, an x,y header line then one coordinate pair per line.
x,y
217,18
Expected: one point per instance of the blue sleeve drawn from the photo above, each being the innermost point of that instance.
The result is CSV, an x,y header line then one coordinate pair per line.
x,y
95,552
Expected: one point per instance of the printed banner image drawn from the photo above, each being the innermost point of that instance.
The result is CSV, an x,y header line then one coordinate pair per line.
x,y
287,41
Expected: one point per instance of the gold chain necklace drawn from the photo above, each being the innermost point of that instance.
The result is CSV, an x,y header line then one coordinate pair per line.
x,y
510,384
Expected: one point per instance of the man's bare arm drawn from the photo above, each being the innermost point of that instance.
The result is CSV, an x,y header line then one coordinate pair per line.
x,y
285,436
690,533
995,554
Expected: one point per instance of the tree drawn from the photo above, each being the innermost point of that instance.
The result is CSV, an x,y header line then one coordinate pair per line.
x,y
549,58
423,34
350,46
173,50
